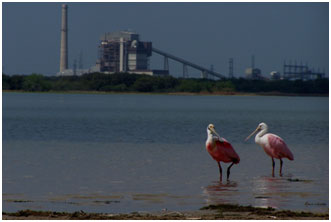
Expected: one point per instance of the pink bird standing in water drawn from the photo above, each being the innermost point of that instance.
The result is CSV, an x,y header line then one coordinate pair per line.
x,y
273,145
220,150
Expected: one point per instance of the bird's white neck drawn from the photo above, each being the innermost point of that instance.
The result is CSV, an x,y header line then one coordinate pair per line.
x,y
260,134
211,137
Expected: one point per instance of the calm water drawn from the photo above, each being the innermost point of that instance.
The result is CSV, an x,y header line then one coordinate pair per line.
x,y
125,153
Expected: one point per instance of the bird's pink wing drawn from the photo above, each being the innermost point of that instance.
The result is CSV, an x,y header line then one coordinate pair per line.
x,y
227,152
279,147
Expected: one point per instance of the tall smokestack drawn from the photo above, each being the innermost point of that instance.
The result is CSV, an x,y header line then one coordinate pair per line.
x,y
64,39
121,54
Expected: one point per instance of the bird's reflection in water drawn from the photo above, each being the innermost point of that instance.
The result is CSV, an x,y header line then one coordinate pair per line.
x,y
220,193
259,192
268,190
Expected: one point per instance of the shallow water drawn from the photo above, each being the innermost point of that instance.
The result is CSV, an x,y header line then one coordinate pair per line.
x,y
123,153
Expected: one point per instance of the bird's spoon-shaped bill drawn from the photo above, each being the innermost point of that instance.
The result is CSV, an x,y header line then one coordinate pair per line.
x,y
252,133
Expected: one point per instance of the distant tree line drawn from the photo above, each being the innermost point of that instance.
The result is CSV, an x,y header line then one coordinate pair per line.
x,y
123,82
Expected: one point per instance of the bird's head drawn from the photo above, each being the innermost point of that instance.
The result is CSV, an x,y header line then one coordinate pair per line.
x,y
211,130
261,126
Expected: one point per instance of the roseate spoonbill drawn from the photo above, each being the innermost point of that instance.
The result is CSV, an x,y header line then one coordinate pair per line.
x,y
220,150
273,145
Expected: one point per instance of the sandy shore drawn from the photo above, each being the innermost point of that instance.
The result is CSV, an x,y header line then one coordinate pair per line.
x,y
212,212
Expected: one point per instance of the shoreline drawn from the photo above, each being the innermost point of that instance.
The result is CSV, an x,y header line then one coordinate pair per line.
x,y
211,212
178,93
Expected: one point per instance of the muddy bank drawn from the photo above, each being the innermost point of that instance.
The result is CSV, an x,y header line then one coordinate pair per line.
x,y
212,212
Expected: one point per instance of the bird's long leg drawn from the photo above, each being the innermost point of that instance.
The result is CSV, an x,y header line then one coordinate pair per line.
x,y
220,168
281,166
228,171
273,167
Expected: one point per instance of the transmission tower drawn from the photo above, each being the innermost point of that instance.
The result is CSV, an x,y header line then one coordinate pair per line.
x,y
231,68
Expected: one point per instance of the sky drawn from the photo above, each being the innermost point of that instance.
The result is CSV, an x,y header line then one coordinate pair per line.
x,y
207,34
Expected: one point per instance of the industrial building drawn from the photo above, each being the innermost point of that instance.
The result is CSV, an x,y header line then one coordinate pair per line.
x,y
123,52
275,75
252,72
120,51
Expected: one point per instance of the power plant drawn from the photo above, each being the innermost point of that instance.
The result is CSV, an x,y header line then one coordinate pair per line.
x,y
124,52
253,72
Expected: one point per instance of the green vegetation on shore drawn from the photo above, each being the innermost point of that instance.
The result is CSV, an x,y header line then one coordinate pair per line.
x,y
123,82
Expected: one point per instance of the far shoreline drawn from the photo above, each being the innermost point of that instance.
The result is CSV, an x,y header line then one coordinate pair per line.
x,y
177,93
